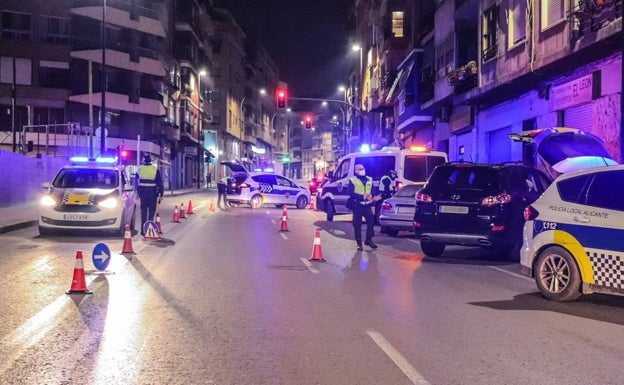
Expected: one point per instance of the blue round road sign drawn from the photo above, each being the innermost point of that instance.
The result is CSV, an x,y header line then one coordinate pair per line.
x,y
101,256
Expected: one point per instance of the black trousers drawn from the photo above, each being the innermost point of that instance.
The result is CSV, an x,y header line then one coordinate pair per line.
x,y
363,211
222,195
148,207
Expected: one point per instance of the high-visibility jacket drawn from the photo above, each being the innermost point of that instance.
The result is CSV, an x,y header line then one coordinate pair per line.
x,y
382,184
361,188
147,175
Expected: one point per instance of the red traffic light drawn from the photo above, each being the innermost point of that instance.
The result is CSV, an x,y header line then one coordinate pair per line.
x,y
124,154
308,121
280,96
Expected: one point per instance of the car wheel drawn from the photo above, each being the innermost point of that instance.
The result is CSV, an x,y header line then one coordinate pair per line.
x,y
329,209
232,204
557,275
391,232
45,231
432,249
302,202
255,202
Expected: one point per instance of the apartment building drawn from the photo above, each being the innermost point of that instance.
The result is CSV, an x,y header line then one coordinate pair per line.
x,y
485,69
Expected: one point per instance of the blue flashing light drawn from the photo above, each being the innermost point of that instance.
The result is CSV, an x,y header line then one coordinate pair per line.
x,y
79,159
365,148
268,170
106,160
257,169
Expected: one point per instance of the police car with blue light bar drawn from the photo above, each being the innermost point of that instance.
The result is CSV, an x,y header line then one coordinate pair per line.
x,y
88,194
574,235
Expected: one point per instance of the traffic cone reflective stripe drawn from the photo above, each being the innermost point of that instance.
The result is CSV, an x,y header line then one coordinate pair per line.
x,y
189,211
284,226
127,245
158,223
312,199
176,215
317,253
182,215
79,283
285,212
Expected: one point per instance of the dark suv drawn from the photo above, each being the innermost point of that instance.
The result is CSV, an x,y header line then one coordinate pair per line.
x,y
476,205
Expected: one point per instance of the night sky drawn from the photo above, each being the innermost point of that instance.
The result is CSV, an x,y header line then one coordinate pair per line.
x,y
308,40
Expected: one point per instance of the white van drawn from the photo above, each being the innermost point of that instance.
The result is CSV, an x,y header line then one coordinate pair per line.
x,y
412,166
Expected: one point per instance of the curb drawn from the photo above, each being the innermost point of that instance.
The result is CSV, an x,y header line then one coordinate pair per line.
x,y
17,226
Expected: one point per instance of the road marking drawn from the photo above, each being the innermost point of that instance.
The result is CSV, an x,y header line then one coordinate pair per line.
x,y
309,266
510,273
398,359
283,235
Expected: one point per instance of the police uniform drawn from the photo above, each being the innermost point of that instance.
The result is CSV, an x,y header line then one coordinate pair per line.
x,y
150,187
359,186
387,188
222,186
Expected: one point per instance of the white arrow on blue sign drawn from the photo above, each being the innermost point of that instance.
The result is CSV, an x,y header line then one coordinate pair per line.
x,y
101,256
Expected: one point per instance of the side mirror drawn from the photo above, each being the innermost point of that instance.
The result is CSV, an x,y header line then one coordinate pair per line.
x,y
46,185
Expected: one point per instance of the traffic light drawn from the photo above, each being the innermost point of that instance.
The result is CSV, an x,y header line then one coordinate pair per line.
x,y
286,158
122,154
308,121
280,97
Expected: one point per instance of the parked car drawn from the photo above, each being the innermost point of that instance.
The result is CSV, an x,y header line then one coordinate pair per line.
x,y
397,212
263,188
479,205
88,194
574,235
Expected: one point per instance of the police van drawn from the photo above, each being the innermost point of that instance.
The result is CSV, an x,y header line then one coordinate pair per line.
x,y
412,165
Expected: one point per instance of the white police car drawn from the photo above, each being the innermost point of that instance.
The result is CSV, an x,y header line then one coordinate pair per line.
x,y
574,235
263,188
88,194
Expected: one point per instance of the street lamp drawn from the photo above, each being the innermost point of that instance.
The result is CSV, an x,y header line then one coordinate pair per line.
x,y
242,128
200,128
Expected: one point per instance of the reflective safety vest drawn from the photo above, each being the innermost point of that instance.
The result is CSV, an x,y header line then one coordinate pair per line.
x,y
360,188
147,175
382,185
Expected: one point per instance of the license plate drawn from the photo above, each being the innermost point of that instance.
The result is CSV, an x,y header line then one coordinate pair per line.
x,y
454,209
406,210
75,217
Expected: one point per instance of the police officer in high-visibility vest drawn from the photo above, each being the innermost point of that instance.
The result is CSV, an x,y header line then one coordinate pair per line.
x,y
360,192
222,187
387,188
150,188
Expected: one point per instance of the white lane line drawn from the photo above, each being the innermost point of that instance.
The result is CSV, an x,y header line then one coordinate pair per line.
x,y
398,359
511,273
309,266
283,235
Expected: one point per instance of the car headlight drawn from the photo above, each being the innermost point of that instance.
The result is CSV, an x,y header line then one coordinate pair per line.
x,y
47,201
109,203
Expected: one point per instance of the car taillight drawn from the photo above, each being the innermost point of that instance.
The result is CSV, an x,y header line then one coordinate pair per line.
x,y
422,197
495,200
386,206
398,184
530,213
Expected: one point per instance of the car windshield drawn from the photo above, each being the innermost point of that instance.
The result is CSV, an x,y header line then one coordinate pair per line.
x,y
408,191
86,178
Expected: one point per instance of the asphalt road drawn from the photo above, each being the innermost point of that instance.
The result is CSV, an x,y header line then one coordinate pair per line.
x,y
226,298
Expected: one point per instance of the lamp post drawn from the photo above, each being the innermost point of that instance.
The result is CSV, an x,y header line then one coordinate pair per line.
x,y
242,128
200,128
357,47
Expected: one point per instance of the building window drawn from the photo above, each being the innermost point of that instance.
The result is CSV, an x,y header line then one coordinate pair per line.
x,y
15,25
517,22
490,27
53,74
552,12
54,30
397,24
445,57
22,74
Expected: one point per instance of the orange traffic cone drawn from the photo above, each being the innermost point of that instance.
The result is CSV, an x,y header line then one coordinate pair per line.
x,y
182,215
176,215
285,212
212,205
317,253
158,224
79,283
189,211
284,226
312,199
127,245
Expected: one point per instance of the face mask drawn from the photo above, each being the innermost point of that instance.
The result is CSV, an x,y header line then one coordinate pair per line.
x,y
361,172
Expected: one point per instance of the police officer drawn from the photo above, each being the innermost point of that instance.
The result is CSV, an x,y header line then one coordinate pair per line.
x,y
222,187
150,188
387,188
360,192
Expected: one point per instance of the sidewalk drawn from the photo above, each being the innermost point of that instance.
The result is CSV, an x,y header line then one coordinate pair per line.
x,y
26,214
